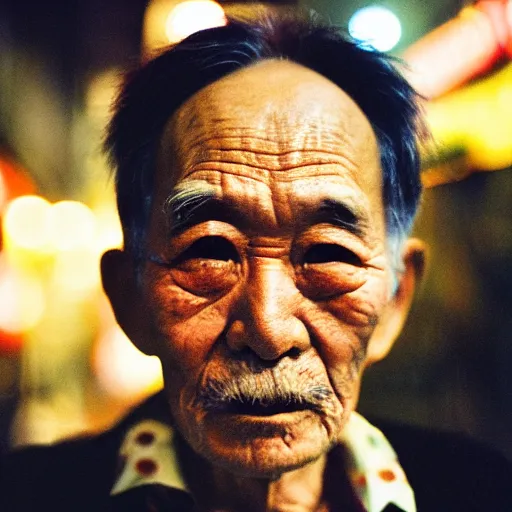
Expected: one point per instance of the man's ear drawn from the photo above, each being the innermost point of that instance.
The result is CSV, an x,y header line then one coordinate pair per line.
x,y
119,279
393,318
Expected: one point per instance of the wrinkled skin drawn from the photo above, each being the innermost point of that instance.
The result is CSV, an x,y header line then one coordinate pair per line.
x,y
281,300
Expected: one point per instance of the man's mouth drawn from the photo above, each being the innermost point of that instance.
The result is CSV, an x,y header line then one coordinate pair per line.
x,y
264,394
259,407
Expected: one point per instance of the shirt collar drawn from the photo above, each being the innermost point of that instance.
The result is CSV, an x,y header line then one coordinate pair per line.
x,y
148,456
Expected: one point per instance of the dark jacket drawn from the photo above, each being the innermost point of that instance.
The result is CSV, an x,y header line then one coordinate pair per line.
x,y
448,473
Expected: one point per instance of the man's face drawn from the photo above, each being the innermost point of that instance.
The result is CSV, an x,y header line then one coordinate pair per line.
x,y
267,270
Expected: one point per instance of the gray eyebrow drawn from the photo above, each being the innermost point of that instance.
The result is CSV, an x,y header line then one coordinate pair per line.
x,y
197,201
184,201
343,215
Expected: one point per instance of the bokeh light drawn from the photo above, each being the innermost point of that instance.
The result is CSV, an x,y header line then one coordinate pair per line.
x,y
110,234
376,26
122,370
26,222
22,302
76,271
192,16
71,225
100,94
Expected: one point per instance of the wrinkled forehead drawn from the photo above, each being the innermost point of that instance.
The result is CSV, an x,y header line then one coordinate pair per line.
x,y
274,107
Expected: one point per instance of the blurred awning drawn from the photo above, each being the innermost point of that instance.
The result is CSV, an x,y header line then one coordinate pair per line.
x,y
472,129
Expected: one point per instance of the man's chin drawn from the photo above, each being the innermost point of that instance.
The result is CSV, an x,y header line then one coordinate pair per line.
x,y
265,446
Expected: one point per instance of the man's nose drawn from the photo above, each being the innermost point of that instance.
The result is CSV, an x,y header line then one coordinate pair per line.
x,y
268,319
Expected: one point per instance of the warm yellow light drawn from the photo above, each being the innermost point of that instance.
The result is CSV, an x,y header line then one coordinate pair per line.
x,y
22,302
192,16
122,369
110,234
26,222
77,271
101,91
169,21
71,225
477,118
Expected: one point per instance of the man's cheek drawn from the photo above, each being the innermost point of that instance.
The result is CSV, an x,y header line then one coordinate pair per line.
x,y
186,325
360,309
170,303
342,328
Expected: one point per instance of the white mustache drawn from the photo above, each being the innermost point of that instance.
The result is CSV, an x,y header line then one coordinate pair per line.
x,y
271,387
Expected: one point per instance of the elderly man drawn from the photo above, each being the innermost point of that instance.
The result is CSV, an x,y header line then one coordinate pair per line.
x,y
267,178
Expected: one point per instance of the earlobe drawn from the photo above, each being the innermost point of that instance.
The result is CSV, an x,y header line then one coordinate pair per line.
x,y
395,314
120,285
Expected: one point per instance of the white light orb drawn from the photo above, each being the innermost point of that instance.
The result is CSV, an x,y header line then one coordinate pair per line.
x,y
193,16
71,225
26,222
376,26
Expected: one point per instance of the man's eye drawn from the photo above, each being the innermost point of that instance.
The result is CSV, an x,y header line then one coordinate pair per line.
x,y
328,253
328,271
208,267
209,248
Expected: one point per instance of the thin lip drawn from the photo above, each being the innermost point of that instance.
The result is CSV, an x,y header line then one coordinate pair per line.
x,y
282,417
264,417
244,409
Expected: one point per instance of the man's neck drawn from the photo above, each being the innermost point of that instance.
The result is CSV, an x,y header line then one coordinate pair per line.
x,y
298,491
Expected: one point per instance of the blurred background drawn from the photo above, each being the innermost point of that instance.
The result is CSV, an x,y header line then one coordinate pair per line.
x,y
64,365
